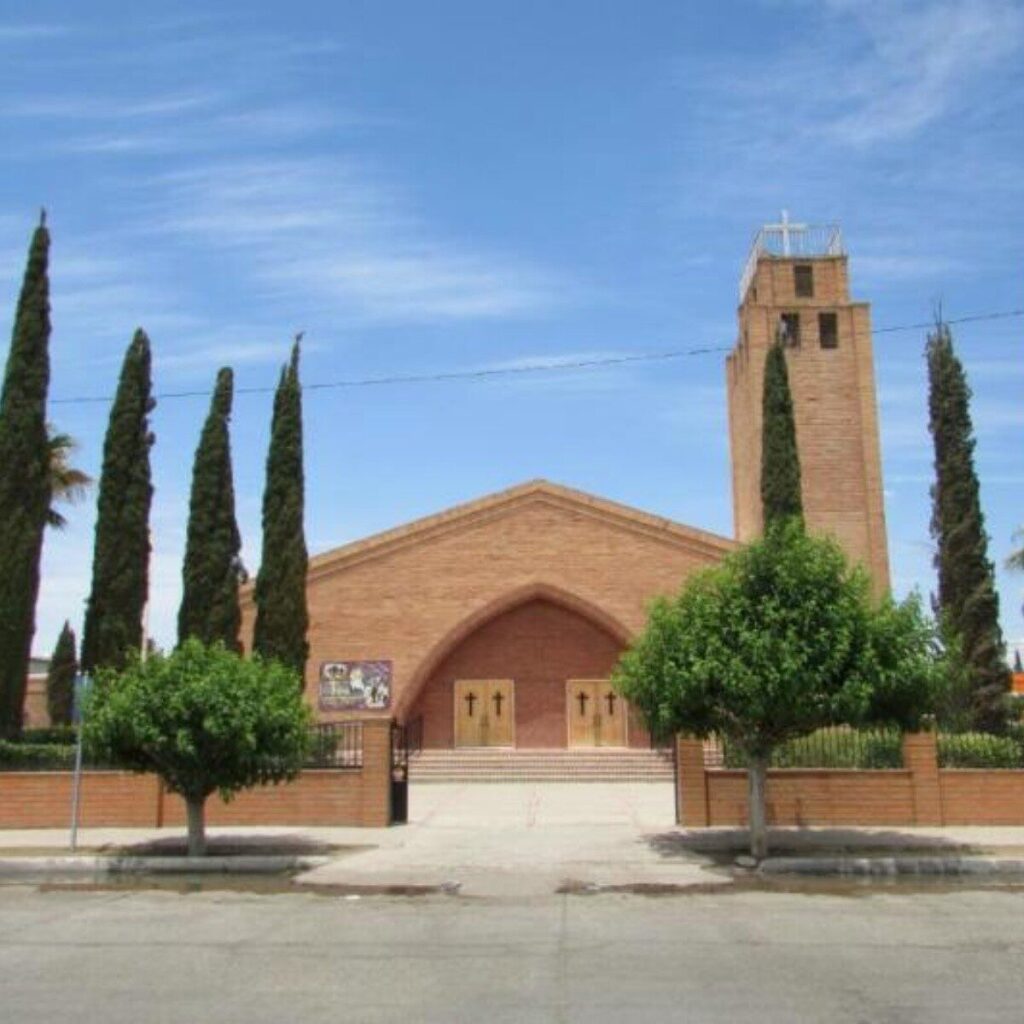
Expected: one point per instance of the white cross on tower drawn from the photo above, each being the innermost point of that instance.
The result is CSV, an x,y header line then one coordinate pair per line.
x,y
785,227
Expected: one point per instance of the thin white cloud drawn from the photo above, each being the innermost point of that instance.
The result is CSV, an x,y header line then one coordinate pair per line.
x,y
226,131
331,237
554,362
106,108
214,352
920,57
29,32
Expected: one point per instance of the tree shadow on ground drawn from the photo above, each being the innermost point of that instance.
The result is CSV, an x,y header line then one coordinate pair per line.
x,y
722,844
296,844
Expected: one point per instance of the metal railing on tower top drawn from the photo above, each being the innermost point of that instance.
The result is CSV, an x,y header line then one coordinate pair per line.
x,y
789,239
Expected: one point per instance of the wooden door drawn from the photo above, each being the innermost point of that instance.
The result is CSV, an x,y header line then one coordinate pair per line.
x,y
485,713
596,714
611,725
501,713
580,701
470,699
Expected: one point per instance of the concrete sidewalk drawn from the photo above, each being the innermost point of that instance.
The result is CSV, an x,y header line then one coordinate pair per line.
x,y
531,838
528,839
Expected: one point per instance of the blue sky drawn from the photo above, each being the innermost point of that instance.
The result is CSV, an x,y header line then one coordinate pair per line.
x,y
465,185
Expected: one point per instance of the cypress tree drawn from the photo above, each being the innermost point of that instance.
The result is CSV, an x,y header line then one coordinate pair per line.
x,y
967,601
780,461
120,567
24,478
211,574
60,678
282,618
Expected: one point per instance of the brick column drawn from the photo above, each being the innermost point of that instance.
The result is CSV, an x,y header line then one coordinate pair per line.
x,y
921,759
375,795
691,783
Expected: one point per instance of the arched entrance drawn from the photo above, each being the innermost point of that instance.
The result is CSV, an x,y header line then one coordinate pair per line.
x,y
516,667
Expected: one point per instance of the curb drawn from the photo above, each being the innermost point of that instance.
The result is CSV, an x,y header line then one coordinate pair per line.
x,y
254,864
889,867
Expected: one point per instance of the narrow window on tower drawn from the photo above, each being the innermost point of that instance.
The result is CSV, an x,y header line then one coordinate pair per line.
x,y
803,280
828,330
789,329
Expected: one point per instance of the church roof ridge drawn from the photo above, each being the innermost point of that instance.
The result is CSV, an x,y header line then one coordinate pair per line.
x,y
496,502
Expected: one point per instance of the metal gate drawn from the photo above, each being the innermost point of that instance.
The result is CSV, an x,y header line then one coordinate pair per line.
x,y
399,774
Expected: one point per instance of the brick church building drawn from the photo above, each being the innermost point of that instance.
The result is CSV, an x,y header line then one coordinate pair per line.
x,y
497,623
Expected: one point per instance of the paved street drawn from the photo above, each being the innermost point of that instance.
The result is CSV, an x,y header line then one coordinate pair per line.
x,y
121,958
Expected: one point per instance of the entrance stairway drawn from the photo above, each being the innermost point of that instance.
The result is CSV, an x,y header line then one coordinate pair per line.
x,y
494,764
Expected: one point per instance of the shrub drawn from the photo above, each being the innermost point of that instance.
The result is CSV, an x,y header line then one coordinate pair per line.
x,y
979,750
833,747
62,734
22,756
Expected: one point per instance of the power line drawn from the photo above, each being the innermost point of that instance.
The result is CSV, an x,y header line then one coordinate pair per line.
x,y
975,318
526,368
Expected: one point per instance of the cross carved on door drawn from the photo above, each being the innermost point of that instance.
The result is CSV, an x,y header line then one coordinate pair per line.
x,y
582,698
610,698
470,701
498,699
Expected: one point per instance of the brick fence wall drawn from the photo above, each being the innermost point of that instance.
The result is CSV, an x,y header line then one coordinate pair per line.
x,y
122,799
918,794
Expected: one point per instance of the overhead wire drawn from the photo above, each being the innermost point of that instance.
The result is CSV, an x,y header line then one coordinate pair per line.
x,y
552,365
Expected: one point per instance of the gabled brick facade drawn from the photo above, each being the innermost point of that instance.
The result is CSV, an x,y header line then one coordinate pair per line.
x,y
580,568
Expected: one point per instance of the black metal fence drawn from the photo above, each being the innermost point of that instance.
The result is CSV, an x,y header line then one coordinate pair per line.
x,y
336,745
332,745
834,747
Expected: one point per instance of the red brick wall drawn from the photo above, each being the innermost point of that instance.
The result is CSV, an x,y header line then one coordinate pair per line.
x,y
539,645
921,794
815,797
43,800
122,799
974,797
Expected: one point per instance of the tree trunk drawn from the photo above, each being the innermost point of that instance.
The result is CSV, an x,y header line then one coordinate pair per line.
x,y
195,808
757,772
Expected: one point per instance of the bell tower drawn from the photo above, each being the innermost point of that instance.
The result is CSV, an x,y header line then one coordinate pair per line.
x,y
795,286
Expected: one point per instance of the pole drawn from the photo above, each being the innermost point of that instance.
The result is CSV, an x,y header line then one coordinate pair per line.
x,y
76,789
82,683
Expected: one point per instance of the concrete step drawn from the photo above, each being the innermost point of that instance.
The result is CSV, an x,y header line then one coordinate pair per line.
x,y
506,765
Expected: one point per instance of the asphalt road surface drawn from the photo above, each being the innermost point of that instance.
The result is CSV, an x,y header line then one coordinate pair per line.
x,y
737,956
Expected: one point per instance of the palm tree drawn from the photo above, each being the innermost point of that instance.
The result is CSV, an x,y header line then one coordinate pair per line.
x,y
67,484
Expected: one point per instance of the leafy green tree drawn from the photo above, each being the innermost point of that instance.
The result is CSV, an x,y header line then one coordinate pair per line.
x,y
204,720
780,461
213,569
68,484
781,639
60,678
282,616
967,602
24,480
120,567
